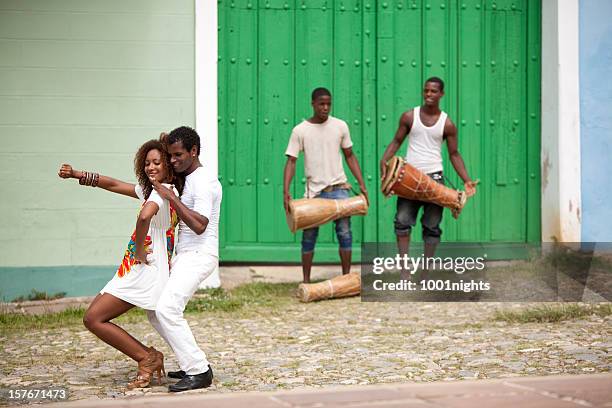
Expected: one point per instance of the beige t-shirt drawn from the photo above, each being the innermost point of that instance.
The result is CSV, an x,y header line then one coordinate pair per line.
x,y
321,145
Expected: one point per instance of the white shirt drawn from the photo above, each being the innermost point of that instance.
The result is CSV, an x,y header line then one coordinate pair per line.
x,y
201,194
321,144
425,143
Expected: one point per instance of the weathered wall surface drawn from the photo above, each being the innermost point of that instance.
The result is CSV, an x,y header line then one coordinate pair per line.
x,y
84,83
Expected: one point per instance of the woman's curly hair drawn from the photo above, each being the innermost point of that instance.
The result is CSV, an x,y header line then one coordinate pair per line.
x,y
139,165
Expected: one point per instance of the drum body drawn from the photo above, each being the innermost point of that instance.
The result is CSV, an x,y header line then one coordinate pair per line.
x,y
338,287
307,213
406,181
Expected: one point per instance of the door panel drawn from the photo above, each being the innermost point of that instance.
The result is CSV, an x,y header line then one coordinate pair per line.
x,y
374,57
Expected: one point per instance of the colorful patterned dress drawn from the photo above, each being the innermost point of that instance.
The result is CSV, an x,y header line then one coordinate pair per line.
x,y
140,284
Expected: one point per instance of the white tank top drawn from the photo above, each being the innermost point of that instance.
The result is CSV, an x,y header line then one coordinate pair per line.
x,y
425,143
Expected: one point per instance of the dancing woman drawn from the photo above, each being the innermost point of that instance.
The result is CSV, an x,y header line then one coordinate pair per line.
x,y
144,270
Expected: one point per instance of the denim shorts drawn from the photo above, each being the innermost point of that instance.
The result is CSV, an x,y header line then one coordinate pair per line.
x,y
408,210
343,226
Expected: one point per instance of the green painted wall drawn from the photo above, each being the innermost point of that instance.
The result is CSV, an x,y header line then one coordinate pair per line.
x,y
83,82
374,57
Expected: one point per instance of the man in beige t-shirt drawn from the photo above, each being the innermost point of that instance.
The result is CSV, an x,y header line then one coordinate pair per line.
x,y
320,138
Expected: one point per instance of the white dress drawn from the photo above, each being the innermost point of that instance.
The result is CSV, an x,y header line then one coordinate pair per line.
x,y
137,283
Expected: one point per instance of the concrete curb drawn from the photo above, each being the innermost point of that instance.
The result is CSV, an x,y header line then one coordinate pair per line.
x,y
231,277
541,392
37,307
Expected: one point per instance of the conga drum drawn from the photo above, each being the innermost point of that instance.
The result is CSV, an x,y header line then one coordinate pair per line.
x,y
406,181
338,287
307,213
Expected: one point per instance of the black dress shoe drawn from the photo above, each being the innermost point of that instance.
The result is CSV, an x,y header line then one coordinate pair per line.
x,y
176,374
193,382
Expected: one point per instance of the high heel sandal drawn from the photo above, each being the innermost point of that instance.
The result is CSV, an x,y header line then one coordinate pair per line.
x,y
152,363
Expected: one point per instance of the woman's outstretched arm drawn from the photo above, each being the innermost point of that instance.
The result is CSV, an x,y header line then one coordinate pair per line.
x,y
98,180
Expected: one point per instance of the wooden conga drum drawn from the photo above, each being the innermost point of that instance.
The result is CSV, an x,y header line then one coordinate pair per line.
x,y
307,213
338,287
406,181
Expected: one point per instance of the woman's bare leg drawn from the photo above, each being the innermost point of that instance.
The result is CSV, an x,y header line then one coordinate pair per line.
x,y
104,308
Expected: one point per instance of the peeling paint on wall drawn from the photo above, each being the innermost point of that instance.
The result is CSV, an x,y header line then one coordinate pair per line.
x,y
545,169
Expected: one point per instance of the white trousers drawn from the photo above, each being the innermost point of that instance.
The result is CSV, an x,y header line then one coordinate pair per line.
x,y
188,270
212,282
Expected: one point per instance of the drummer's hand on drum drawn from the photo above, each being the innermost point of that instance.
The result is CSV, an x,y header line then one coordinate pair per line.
x,y
383,169
286,199
470,187
364,191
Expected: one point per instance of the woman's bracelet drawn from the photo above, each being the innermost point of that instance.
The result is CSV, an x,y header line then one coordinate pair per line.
x,y
89,179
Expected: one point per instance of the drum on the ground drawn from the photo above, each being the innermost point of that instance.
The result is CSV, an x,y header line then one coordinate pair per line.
x,y
338,287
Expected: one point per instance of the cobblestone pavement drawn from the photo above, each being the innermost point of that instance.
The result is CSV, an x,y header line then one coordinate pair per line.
x,y
327,343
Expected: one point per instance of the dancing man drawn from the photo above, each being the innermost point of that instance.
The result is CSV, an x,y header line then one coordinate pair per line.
x,y
198,208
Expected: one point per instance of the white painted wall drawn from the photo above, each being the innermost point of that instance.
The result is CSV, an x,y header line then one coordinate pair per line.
x,y
84,83
561,204
206,81
206,95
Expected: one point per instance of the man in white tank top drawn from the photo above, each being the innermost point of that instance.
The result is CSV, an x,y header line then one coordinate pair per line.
x,y
426,127
199,209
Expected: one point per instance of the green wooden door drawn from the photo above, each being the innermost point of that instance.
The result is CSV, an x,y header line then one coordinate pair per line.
x,y
374,57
